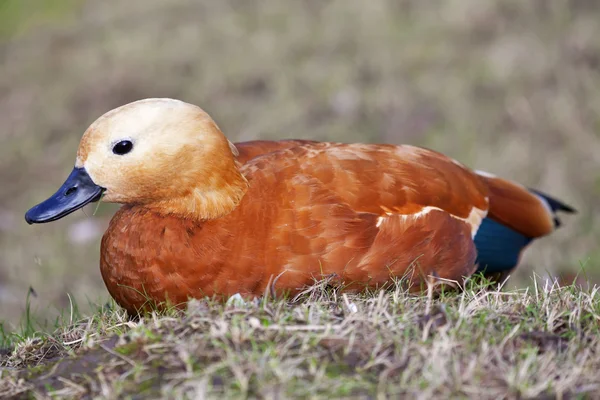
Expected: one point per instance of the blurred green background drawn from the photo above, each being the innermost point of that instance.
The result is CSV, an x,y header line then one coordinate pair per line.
x,y
507,86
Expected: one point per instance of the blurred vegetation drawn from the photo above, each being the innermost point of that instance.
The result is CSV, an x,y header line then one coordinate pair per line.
x,y
20,16
505,86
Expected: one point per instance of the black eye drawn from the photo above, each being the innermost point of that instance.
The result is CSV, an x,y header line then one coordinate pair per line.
x,y
123,147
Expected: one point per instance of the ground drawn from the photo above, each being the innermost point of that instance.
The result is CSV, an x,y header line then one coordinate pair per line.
x,y
480,343
505,86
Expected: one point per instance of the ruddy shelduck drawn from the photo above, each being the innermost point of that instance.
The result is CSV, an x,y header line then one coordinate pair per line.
x,y
204,217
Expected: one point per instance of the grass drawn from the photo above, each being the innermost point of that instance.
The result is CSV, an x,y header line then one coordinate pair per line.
x,y
505,86
479,343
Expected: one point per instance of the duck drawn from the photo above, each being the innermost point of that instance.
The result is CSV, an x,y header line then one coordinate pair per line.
x,y
204,217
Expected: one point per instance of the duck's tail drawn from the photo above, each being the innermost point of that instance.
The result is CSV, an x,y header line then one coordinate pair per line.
x,y
516,216
554,205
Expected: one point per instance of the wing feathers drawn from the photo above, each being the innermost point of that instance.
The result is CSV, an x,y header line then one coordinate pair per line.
x,y
528,212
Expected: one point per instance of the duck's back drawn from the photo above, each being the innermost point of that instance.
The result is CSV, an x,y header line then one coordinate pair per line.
x,y
375,178
411,178
362,212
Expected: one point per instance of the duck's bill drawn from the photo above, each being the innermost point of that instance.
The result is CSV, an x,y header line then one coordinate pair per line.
x,y
77,191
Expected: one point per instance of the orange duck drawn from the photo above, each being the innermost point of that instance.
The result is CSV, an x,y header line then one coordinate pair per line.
x,y
204,217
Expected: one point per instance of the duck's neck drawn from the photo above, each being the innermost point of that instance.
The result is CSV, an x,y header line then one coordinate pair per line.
x,y
212,198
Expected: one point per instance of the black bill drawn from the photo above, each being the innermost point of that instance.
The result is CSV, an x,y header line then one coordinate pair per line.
x,y
77,191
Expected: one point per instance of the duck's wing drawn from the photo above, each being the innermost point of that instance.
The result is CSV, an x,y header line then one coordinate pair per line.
x,y
378,178
366,212
383,179
403,180
526,211
411,191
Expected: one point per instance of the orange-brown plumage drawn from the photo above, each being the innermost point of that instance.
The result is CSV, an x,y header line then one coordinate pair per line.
x,y
518,208
303,219
230,221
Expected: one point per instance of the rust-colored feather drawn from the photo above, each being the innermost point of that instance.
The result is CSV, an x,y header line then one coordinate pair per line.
x,y
516,207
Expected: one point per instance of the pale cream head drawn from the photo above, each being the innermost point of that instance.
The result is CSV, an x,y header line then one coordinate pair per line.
x,y
179,162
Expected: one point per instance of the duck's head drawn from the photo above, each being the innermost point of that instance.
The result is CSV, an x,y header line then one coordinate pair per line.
x,y
164,154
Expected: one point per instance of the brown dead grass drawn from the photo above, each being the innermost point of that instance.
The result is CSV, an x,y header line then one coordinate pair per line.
x,y
479,344
507,86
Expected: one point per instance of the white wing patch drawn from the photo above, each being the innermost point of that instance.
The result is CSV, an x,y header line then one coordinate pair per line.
x,y
474,218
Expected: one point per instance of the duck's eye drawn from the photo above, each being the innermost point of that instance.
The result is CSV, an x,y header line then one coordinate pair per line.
x,y
123,147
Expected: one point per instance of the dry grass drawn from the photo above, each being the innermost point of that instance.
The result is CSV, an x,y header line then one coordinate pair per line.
x,y
507,86
482,344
